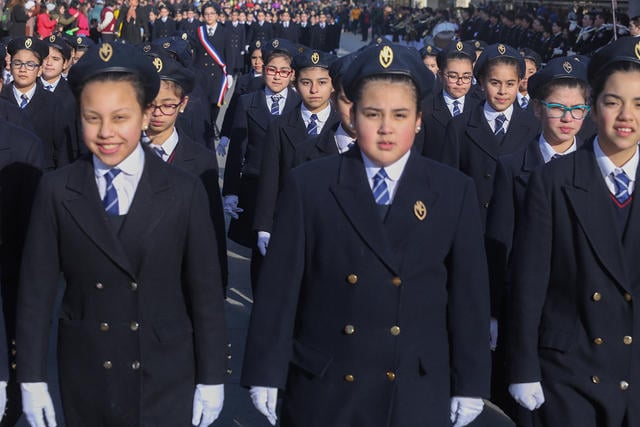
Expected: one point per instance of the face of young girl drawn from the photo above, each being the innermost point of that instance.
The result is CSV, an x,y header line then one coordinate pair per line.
x,y
386,121
561,130
501,85
275,72
165,110
617,116
112,120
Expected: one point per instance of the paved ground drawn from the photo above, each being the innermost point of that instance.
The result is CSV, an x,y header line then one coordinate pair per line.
x,y
238,410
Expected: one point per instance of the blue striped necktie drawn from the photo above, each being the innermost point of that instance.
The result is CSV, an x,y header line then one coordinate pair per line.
x,y
456,108
110,201
312,128
159,151
499,130
25,101
380,189
621,181
524,102
275,105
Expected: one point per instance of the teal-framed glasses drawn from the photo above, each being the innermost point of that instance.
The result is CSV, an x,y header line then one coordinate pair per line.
x,y
557,111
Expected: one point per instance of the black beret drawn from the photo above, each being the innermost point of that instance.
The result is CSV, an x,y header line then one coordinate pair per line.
x,y
215,6
33,44
83,42
312,58
625,49
117,58
429,50
565,67
454,49
388,59
171,70
277,45
531,55
180,48
496,51
59,43
478,44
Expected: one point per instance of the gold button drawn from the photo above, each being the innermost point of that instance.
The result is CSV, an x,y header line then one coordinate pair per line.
x,y
627,296
349,329
598,341
134,326
133,286
596,296
349,378
107,365
627,340
624,385
352,279
135,365
595,379
391,376
104,327
395,330
99,285
396,281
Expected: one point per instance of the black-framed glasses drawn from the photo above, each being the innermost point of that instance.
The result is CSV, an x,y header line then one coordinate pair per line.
x,y
455,78
557,111
273,71
165,109
28,65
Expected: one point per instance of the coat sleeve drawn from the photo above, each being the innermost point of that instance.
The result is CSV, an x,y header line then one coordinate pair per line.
x,y
269,181
237,148
451,149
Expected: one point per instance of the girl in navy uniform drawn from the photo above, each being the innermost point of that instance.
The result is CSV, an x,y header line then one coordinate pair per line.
x,y
575,280
141,330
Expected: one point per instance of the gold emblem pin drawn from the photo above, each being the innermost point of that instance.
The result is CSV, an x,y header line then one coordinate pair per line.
x,y
79,40
386,56
184,36
157,62
477,44
258,44
28,43
300,49
420,210
166,45
567,67
459,46
315,58
275,43
429,49
501,49
106,52
147,48
379,40
52,38
637,49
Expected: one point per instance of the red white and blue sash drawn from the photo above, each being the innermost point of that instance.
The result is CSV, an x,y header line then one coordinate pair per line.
x,y
208,47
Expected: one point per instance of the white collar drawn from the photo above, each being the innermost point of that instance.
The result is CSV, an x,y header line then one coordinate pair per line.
x,y
131,165
548,152
323,115
394,170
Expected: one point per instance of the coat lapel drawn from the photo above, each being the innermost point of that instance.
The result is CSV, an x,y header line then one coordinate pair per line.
x,y
353,195
87,211
259,111
481,134
591,202
441,113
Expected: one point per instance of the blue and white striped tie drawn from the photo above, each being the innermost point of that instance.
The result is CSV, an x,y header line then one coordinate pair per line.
x,y
24,102
456,108
499,131
110,201
275,105
621,181
380,189
312,128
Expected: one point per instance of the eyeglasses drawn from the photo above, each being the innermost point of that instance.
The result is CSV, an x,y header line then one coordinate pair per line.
x,y
165,109
273,71
28,65
455,78
557,111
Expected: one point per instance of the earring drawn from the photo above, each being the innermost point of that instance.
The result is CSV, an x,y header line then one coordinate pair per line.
x,y
145,127
350,125
418,129
181,111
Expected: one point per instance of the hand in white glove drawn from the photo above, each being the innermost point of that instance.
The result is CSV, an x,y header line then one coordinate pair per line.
x,y
221,149
528,395
207,404
265,399
493,334
230,206
3,398
35,401
229,81
263,242
464,410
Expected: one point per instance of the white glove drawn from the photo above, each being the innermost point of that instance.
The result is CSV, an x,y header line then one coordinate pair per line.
x,y
221,149
493,334
263,242
3,398
464,410
528,395
229,81
207,404
230,206
35,401
265,399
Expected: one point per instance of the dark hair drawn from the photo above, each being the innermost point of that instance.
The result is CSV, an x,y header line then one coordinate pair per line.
x,y
500,60
545,90
600,79
388,78
277,54
116,77
443,60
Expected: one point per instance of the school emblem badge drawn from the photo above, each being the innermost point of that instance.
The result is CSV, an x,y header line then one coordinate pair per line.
x,y
157,62
52,38
385,57
184,36
429,49
459,46
106,52
379,40
275,43
258,44
79,40
166,45
568,68
420,210
501,49
637,49
28,43
477,44
315,58
146,48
